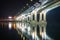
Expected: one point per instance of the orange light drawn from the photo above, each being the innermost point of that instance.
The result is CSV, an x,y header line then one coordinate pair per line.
x,y
14,17
14,25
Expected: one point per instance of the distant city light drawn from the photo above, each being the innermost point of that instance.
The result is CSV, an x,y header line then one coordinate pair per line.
x,y
9,17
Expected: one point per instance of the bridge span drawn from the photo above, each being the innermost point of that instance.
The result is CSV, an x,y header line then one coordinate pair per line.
x,y
33,23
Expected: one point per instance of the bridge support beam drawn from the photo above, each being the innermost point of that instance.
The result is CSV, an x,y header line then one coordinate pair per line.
x,y
43,24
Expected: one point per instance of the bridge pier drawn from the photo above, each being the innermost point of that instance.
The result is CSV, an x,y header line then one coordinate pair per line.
x,y
43,24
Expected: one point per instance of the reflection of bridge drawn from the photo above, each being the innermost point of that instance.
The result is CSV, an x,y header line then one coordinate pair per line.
x,y
33,23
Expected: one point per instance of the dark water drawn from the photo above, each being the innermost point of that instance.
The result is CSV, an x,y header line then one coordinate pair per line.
x,y
8,34
53,23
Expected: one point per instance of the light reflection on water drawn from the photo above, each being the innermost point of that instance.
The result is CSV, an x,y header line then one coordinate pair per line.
x,y
23,27
7,31
10,25
28,29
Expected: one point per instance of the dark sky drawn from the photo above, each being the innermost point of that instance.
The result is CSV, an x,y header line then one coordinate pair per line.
x,y
11,7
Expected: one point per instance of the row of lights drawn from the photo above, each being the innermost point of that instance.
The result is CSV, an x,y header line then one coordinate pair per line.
x,y
10,17
27,4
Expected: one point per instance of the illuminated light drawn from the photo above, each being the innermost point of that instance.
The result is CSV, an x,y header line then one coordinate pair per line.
x,y
29,15
17,25
9,17
28,30
14,17
14,26
17,18
27,4
23,30
34,35
24,7
10,25
43,36
44,2
31,0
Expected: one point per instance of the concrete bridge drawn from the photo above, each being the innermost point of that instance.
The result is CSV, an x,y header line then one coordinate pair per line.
x,y
31,23
35,21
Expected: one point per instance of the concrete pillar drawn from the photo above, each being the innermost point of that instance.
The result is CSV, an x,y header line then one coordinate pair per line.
x,y
43,24
35,15
35,32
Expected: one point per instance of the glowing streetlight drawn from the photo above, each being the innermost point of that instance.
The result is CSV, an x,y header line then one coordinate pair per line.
x,y
14,17
9,17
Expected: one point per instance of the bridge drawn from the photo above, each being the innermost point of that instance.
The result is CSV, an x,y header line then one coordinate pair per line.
x,y
9,20
31,23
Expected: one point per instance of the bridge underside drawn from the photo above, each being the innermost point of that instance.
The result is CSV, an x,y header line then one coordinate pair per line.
x,y
31,24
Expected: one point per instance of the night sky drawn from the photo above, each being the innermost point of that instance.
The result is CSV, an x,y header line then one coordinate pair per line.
x,y
12,7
